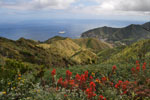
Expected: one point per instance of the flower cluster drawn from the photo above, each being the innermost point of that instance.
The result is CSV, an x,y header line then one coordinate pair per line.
x,y
90,91
122,85
53,73
137,69
93,84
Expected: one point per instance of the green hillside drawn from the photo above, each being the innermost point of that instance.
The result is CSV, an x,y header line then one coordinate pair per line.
x,y
54,39
137,51
93,44
28,51
57,51
106,54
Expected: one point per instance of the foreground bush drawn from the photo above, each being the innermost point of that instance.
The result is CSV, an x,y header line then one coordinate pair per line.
x,y
95,86
92,82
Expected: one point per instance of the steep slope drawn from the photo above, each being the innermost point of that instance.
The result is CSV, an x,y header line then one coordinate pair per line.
x,y
106,54
126,35
28,51
73,49
102,33
57,51
139,50
66,47
131,34
146,26
84,56
93,44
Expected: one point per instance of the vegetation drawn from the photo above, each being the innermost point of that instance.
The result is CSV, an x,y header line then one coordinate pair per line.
x,y
57,49
139,50
73,69
90,82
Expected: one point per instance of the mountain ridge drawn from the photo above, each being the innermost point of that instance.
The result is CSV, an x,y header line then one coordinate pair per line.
x,y
56,51
125,35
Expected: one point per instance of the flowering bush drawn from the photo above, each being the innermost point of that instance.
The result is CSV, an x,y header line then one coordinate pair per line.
x,y
96,87
95,82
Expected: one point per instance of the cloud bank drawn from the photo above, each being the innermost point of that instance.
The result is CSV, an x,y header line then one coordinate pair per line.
x,y
91,7
36,4
126,5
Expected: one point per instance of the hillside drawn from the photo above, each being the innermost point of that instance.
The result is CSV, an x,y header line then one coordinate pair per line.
x,y
137,51
93,44
126,35
106,54
27,51
57,51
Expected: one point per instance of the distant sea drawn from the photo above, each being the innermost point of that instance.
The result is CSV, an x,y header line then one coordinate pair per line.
x,y
45,29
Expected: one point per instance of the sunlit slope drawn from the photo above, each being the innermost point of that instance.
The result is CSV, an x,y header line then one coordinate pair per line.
x,y
57,51
137,51
93,44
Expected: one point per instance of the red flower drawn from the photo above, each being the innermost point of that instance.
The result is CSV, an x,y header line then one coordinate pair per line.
x,y
133,70
86,74
138,68
68,74
126,82
104,79
65,95
87,91
124,92
114,67
65,83
91,77
135,82
71,82
119,81
60,81
117,86
124,87
53,72
78,78
83,78
101,98
144,66
137,62
92,86
90,93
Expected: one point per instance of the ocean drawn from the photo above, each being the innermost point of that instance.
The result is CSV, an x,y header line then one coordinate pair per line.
x,y
44,29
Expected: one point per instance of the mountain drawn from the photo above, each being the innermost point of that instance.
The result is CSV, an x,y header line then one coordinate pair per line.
x,y
126,35
146,26
56,51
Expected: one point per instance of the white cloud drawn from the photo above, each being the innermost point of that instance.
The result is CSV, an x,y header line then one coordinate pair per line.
x,y
36,4
82,7
117,7
125,5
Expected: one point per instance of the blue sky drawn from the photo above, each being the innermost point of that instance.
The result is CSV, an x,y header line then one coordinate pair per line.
x,y
16,10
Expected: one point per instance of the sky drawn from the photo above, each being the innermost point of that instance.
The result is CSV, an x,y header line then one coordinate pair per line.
x,y
13,10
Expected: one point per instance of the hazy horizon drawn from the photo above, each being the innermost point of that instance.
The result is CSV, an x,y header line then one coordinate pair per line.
x,y
42,19
45,29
